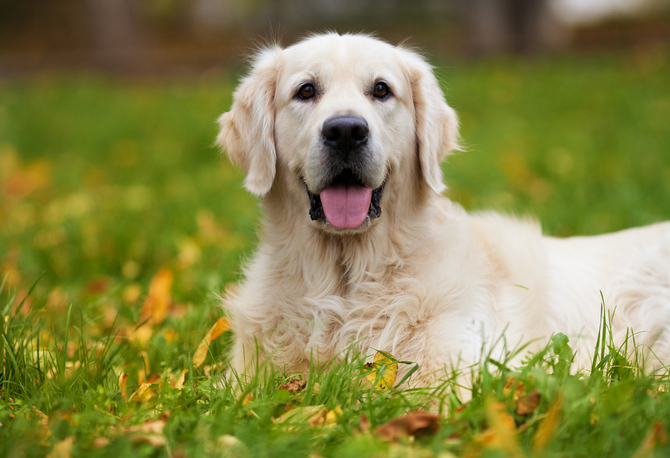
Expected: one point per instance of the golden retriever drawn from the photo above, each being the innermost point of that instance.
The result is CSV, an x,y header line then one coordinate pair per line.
x,y
341,136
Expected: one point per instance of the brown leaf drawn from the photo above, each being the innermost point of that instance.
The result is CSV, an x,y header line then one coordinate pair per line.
x,y
364,424
221,326
419,423
157,303
655,436
294,386
528,402
153,378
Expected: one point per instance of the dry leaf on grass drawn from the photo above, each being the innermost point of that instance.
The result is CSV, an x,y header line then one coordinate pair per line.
x,y
294,386
62,449
655,436
151,431
142,394
385,365
157,303
528,402
100,442
123,379
364,424
221,326
501,433
313,415
178,384
419,423
546,430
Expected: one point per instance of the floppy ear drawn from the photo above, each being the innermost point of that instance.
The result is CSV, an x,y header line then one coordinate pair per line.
x,y
247,130
436,122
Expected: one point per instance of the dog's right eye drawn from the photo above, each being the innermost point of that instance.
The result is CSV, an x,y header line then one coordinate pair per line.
x,y
306,91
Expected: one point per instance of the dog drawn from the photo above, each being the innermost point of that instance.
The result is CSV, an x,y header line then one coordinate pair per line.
x,y
341,137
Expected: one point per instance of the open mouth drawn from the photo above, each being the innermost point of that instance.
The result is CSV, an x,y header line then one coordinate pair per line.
x,y
346,203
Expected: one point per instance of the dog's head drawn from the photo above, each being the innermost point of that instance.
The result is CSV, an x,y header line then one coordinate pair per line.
x,y
338,119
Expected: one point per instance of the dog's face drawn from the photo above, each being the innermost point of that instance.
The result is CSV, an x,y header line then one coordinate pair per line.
x,y
342,117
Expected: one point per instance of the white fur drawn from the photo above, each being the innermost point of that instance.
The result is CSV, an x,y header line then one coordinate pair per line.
x,y
426,281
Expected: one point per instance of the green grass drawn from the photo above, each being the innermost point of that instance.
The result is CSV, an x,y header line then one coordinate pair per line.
x,y
103,183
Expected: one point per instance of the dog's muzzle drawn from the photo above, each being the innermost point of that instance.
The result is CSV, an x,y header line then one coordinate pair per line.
x,y
346,201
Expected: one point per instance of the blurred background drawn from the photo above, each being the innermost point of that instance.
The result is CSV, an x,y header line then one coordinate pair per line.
x,y
108,107
189,36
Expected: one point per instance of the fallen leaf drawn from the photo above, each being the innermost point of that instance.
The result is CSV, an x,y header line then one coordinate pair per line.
x,y
62,449
364,424
30,178
248,399
419,423
232,444
178,384
221,326
501,433
100,442
655,436
209,369
142,394
149,426
153,378
314,415
333,416
157,302
528,402
546,430
123,379
294,386
44,420
382,371
155,440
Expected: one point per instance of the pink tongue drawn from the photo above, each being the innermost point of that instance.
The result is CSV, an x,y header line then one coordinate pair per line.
x,y
346,206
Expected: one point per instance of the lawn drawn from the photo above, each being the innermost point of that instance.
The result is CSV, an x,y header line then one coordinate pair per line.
x,y
120,224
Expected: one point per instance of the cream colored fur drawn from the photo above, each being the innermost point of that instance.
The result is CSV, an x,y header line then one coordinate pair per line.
x,y
426,281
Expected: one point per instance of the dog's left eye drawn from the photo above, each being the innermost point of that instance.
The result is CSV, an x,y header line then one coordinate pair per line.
x,y
306,91
381,90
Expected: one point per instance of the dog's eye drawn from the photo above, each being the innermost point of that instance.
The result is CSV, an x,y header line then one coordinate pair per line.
x,y
306,91
381,90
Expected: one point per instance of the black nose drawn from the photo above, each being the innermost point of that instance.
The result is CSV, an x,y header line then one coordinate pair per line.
x,y
345,133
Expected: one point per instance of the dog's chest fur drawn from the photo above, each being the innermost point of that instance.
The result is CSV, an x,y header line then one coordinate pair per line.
x,y
419,301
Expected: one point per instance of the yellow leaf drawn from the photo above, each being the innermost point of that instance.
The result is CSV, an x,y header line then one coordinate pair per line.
x,y
383,364
314,415
158,300
142,394
62,449
123,379
332,416
546,430
221,326
501,434
179,383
